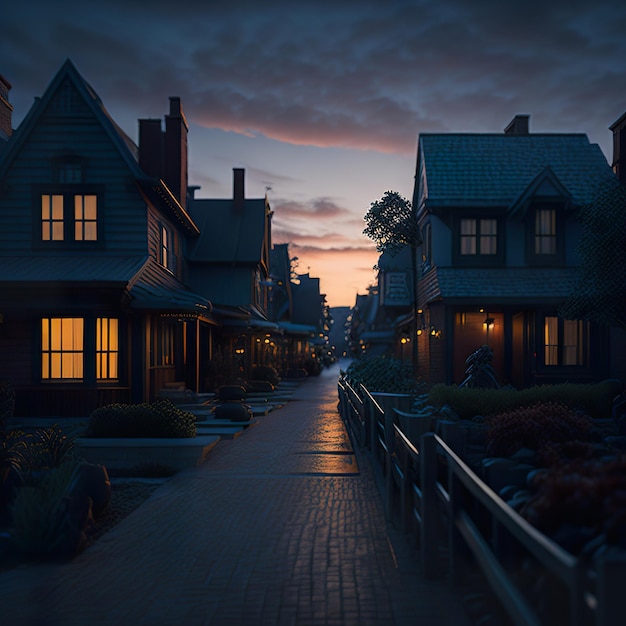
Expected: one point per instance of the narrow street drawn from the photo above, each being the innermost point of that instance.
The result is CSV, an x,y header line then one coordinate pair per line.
x,y
283,525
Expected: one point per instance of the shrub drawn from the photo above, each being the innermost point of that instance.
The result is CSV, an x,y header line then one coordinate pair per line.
x,y
538,427
384,374
157,419
595,400
265,372
586,493
38,515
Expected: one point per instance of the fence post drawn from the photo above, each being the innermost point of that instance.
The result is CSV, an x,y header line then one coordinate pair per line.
x,y
429,540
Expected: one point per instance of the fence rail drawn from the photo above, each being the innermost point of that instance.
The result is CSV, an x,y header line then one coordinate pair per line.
x,y
432,494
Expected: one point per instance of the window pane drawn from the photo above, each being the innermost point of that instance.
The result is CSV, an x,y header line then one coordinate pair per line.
x,y
551,340
488,236
91,231
57,231
55,333
106,348
468,227
45,207
57,208
91,210
572,342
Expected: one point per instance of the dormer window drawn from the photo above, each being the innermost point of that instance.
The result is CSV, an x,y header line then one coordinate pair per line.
x,y
545,245
545,232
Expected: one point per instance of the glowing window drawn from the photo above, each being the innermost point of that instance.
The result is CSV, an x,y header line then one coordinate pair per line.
x,y
52,228
107,348
62,348
85,218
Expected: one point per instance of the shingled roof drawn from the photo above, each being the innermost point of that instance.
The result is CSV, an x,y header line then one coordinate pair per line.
x,y
486,170
498,285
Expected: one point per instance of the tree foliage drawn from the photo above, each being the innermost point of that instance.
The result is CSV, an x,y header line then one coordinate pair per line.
x,y
599,294
391,223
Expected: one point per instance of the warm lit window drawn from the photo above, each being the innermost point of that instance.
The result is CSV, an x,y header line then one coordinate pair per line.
x,y
166,256
52,228
564,341
85,218
107,348
479,236
62,348
60,223
545,232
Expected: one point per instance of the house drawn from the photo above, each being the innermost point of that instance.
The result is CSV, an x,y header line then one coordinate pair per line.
x,y
95,303
497,214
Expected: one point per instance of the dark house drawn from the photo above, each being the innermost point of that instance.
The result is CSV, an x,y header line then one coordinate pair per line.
x,y
498,218
95,304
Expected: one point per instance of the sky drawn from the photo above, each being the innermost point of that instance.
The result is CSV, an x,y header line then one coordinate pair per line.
x,y
322,101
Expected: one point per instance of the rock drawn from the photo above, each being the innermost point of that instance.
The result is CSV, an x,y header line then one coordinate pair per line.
x,y
500,472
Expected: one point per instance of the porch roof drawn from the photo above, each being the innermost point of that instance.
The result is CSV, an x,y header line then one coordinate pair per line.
x,y
505,285
69,268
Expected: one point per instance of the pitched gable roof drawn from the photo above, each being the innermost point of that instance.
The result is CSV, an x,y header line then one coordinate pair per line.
x,y
228,234
490,170
67,84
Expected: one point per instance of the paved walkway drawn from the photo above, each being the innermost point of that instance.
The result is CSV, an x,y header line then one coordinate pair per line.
x,y
281,526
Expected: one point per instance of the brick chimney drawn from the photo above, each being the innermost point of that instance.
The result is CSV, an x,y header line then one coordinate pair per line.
x,y
176,172
164,154
6,109
619,148
518,125
239,194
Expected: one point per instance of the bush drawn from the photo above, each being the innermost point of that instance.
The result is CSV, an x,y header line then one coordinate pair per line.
x,y
539,427
585,493
157,419
38,513
265,372
595,400
383,374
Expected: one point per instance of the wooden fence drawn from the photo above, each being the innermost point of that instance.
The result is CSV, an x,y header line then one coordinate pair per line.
x,y
432,494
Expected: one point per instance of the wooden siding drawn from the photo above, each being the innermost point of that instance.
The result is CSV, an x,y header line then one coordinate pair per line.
x,y
15,350
123,209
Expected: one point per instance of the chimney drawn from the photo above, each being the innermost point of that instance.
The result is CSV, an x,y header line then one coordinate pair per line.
x,y
6,109
239,195
151,158
176,130
518,125
619,147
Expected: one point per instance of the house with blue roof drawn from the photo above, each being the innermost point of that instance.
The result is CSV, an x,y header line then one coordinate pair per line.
x,y
498,217
94,302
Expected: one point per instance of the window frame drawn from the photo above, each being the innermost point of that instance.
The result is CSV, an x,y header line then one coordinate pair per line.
x,y
545,259
90,351
69,194
166,255
557,346
478,258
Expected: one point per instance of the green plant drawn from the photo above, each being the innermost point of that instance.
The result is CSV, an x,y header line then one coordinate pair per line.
x,y
159,419
587,493
37,512
385,374
595,399
265,372
538,427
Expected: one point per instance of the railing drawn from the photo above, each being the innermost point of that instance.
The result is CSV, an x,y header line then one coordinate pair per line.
x,y
432,494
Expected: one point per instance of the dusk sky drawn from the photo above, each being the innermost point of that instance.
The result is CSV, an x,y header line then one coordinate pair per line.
x,y
323,101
